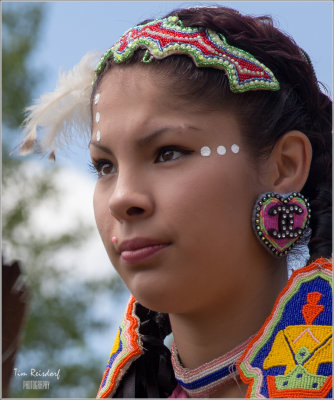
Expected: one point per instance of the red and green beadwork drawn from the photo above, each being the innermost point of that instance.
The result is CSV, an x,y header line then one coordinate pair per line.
x,y
207,48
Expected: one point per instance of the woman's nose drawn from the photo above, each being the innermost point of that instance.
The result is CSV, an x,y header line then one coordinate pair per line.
x,y
129,199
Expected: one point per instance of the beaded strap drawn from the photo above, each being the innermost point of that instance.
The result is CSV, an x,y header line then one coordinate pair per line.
x,y
126,349
208,378
291,356
207,48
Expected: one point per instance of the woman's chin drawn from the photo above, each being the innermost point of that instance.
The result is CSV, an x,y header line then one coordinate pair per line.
x,y
155,294
155,298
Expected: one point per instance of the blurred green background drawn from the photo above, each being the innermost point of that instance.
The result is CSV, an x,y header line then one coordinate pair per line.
x,y
67,313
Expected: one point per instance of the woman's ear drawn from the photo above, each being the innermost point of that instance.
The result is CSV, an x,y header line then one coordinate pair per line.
x,y
290,162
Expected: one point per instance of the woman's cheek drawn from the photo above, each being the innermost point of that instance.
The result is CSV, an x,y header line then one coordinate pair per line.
x,y
99,211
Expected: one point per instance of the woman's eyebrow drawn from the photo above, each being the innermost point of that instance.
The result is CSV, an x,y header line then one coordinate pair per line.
x,y
157,133
100,146
147,139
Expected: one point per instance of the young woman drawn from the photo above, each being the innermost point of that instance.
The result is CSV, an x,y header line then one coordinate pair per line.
x,y
211,140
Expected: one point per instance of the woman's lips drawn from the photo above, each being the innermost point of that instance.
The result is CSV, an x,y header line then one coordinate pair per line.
x,y
137,250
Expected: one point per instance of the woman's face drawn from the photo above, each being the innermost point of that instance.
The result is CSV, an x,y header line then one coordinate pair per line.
x,y
182,219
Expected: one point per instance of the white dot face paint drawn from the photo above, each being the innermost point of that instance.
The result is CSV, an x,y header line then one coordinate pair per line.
x,y
205,151
221,150
96,98
98,136
235,148
97,117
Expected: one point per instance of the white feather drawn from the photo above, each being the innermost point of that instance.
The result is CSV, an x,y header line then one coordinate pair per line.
x,y
64,113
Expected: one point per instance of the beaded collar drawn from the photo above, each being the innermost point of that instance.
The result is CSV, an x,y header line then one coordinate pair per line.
x,y
207,48
208,378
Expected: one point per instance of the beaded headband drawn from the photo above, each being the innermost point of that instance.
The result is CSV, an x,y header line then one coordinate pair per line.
x,y
207,48
65,112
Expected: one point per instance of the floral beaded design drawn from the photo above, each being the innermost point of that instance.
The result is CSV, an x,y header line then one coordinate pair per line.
x,y
207,48
291,356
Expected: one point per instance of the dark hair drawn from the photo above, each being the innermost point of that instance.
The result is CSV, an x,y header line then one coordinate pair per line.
x,y
266,115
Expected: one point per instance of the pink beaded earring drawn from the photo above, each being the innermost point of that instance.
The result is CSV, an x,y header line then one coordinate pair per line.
x,y
280,221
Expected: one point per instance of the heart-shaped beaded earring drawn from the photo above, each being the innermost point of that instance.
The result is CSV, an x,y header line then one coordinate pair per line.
x,y
280,221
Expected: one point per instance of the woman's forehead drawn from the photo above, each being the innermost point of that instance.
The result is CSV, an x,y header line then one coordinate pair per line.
x,y
145,84
139,88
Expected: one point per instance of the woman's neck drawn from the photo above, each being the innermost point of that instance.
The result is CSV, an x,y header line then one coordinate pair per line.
x,y
203,335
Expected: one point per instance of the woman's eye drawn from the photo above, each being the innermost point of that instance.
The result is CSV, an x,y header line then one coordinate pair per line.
x,y
106,169
171,153
103,168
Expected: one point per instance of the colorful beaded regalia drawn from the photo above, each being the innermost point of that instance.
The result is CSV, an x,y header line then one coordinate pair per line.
x,y
138,353
168,36
127,348
291,356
